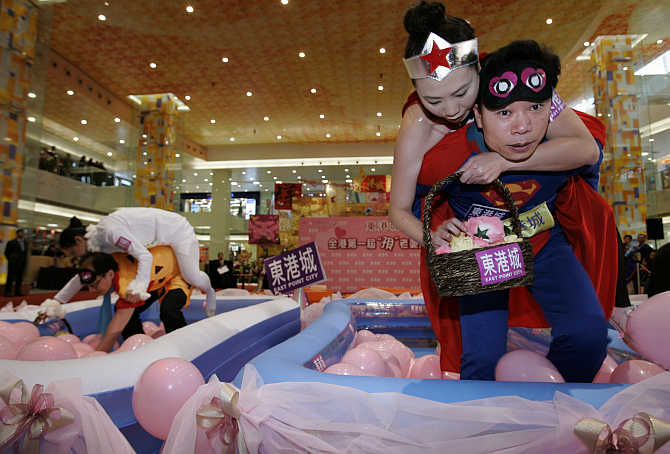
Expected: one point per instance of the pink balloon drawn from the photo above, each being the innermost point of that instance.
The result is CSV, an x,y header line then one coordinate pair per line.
x,y
526,366
427,366
385,351
92,338
363,336
386,337
21,333
603,375
404,355
647,329
4,325
95,353
446,375
161,391
134,342
70,338
149,328
634,371
346,369
8,349
368,361
46,348
82,349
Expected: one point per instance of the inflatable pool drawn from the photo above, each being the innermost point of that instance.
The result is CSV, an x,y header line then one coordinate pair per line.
x,y
221,345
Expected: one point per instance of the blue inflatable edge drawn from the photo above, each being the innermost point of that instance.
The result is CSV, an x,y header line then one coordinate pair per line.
x,y
286,362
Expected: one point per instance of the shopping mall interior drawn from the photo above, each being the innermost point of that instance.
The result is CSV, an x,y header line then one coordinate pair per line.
x,y
212,109
293,316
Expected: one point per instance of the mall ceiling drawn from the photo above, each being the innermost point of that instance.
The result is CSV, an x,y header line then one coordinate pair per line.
x,y
240,63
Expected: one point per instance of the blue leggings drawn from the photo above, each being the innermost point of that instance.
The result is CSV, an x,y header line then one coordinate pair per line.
x,y
565,293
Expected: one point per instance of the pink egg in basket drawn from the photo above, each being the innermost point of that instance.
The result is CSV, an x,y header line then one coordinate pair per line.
x,y
635,371
82,349
346,369
70,338
363,336
20,333
427,366
134,342
384,348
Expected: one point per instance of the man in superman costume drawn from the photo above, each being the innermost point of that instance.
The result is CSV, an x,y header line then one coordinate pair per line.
x,y
575,259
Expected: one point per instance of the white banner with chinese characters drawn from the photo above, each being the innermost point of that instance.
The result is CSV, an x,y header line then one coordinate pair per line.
x,y
362,252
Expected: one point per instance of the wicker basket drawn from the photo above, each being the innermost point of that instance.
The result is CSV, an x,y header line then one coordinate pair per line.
x,y
478,270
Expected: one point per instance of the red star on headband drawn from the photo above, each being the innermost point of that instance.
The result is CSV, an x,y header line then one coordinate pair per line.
x,y
437,57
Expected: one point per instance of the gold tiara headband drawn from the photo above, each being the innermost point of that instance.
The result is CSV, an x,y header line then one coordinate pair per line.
x,y
439,57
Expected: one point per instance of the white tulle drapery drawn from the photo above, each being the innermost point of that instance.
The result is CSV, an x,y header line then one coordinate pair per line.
x,y
298,417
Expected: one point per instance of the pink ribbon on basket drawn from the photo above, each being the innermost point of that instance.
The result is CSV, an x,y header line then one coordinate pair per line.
x,y
219,417
32,417
641,434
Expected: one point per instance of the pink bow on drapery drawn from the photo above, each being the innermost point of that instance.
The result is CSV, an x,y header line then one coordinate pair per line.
x,y
219,418
32,417
641,434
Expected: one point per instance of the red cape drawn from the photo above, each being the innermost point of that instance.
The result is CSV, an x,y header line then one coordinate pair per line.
x,y
585,217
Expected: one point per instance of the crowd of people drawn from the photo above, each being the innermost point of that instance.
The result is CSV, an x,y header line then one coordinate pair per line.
x,y
647,270
85,169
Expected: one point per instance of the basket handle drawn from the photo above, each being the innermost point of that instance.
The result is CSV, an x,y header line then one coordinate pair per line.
x,y
428,207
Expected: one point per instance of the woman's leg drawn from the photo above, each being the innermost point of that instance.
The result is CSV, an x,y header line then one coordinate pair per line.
x,y
571,306
483,333
187,251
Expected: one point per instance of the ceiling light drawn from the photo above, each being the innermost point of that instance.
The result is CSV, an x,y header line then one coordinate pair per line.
x,y
268,171
372,169
379,114
144,153
211,173
301,54
284,2
382,50
346,170
121,141
102,17
183,180
645,154
293,171
348,176
313,90
244,172
31,119
177,155
660,41
212,121
76,139
32,95
587,44
70,92
233,183
348,181
266,118
189,9
187,97
232,139
197,187
274,178
206,179
328,135
299,177
651,140
549,21
249,93
117,120
380,87
257,182
378,133
320,170
322,116
109,153
325,181
280,182
83,122
152,65
225,59
195,174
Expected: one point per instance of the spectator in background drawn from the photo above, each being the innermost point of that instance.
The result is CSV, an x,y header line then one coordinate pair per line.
x,y
659,279
16,253
643,247
627,243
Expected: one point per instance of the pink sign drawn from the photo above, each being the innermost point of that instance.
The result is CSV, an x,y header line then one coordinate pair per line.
x,y
362,252
500,264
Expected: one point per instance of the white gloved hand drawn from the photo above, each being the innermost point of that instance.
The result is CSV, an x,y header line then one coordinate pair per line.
x,y
137,291
52,308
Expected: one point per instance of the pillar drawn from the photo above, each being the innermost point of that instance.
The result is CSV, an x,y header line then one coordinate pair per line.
x,y
18,36
622,180
156,167
220,225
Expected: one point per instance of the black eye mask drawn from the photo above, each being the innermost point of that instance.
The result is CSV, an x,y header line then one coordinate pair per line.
x,y
87,277
520,81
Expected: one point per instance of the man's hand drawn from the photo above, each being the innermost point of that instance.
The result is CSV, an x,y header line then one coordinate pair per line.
x,y
483,168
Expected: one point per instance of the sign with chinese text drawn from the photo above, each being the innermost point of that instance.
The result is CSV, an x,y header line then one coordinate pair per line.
x,y
297,268
362,252
263,228
284,192
500,264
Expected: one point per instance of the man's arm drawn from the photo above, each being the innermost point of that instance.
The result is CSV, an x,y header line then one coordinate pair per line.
x,y
115,328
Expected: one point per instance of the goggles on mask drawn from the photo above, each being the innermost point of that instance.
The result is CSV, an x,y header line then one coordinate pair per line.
x,y
518,81
87,277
